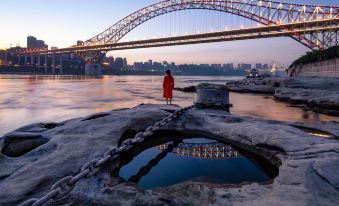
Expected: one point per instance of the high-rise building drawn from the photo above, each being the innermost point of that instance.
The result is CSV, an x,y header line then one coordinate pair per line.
x,y
31,42
265,67
40,44
172,66
216,66
258,66
125,65
3,56
157,66
229,66
111,61
119,62
244,66
165,64
34,43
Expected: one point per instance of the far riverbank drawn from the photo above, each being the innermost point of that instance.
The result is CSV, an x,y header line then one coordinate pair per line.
x,y
185,71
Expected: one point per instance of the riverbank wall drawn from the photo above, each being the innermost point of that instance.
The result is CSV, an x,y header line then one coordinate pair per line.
x,y
328,68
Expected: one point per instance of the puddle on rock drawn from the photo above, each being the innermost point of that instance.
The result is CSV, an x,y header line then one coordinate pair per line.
x,y
191,159
317,133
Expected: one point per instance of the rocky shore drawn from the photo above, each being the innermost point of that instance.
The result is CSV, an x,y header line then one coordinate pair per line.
x,y
318,94
36,156
315,93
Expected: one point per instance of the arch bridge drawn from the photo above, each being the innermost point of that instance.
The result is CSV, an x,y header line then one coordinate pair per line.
x,y
314,26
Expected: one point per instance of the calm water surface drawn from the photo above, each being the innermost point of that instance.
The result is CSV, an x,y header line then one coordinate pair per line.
x,y
194,159
30,99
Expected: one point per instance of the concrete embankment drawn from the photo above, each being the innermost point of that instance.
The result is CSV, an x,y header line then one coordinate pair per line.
x,y
328,68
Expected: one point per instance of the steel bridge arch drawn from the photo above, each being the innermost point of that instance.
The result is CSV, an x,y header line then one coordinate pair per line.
x,y
262,11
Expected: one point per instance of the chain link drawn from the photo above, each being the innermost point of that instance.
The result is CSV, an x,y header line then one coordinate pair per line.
x,y
65,186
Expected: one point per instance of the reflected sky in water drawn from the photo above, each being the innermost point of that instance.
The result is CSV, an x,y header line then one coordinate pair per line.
x,y
30,99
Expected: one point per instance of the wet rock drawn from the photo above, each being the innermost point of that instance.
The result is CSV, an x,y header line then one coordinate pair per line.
x,y
189,89
19,143
95,116
255,85
307,172
321,100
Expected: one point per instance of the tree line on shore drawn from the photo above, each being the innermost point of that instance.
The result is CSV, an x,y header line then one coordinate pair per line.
x,y
317,55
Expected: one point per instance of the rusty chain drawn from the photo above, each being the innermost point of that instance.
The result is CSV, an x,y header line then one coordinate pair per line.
x,y
62,188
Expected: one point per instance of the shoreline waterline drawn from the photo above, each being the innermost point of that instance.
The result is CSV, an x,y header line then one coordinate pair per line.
x,y
31,99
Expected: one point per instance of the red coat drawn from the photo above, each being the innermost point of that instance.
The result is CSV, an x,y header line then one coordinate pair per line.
x,y
168,86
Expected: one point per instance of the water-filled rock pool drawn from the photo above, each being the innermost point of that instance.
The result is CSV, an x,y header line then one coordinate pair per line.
x,y
192,159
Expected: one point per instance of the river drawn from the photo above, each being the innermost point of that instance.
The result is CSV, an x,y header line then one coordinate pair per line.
x,y
31,99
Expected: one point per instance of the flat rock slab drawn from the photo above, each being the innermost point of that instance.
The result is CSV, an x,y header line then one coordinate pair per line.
x,y
329,170
307,172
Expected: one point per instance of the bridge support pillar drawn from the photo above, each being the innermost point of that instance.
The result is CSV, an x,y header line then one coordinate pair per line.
x,y
46,63
93,69
19,59
53,63
32,60
213,96
60,63
39,61
25,60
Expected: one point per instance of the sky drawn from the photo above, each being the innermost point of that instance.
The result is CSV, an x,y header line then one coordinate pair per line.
x,y
62,22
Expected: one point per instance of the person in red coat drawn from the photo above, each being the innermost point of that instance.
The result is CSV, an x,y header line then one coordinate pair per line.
x,y
168,86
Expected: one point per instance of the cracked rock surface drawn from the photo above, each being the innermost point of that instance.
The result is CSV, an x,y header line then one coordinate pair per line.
x,y
308,166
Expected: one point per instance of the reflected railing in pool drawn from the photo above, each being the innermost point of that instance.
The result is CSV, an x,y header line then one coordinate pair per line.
x,y
202,150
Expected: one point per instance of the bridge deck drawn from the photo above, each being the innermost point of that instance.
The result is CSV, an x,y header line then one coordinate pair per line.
x,y
229,35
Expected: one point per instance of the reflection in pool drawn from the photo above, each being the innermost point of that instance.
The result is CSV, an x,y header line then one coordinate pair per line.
x,y
316,132
194,159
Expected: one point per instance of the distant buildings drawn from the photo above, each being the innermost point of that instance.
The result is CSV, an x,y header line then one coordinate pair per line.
x,y
217,66
153,66
265,67
34,43
119,63
3,57
244,66
31,42
258,66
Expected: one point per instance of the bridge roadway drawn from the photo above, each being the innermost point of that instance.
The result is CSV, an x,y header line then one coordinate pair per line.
x,y
283,30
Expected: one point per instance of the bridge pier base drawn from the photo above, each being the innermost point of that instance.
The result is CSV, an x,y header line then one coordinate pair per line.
x,y
60,64
32,60
46,69
53,63
93,69
39,61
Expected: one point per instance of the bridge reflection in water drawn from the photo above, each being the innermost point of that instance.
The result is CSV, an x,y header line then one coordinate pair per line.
x,y
158,164
203,150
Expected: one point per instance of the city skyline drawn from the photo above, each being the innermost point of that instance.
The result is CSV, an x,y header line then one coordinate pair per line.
x,y
63,29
